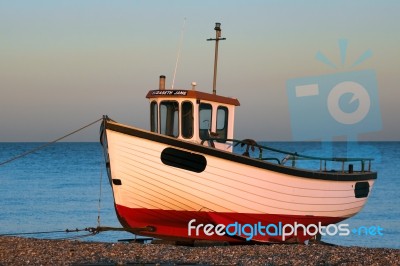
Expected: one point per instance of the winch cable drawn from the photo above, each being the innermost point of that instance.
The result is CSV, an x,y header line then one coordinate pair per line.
x,y
47,144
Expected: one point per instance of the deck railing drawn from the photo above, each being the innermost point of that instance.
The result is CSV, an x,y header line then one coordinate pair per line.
x,y
249,144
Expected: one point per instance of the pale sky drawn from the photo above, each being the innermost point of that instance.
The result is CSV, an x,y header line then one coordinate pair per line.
x,y
64,64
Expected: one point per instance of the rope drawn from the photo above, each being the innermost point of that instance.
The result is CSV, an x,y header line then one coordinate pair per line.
x,y
33,233
100,192
47,144
92,231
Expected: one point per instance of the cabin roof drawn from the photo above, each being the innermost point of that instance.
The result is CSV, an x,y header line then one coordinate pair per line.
x,y
192,94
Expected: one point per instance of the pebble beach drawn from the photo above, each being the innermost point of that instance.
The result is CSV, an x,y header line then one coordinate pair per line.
x,y
30,251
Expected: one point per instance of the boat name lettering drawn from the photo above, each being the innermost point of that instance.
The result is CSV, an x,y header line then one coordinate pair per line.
x,y
169,92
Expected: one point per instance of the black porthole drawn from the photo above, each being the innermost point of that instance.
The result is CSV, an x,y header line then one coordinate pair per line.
x,y
117,182
361,190
184,160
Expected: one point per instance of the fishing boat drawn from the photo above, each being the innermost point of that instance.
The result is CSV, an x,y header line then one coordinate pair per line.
x,y
183,179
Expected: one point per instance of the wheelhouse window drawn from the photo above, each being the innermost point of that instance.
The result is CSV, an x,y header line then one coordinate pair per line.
x,y
169,118
154,116
222,122
205,115
187,120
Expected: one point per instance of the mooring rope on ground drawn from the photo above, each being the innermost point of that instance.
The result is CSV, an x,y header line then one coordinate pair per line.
x,y
92,231
89,229
47,144
34,233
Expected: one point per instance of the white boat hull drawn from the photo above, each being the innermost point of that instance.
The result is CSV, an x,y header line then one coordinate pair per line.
x,y
148,192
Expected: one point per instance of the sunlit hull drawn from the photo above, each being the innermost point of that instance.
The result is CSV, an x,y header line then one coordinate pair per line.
x,y
156,196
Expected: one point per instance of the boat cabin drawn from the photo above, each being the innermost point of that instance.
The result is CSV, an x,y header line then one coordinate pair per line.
x,y
192,115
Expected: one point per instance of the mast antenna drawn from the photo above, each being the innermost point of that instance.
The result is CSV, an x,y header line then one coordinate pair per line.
x,y
179,53
217,39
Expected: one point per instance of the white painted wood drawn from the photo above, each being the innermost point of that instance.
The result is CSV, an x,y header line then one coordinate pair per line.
x,y
224,186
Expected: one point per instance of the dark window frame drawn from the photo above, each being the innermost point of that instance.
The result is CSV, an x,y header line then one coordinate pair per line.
x,y
154,116
187,120
204,133
169,129
223,132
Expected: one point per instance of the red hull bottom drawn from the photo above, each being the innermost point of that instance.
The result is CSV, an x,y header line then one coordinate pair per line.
x,y
174,225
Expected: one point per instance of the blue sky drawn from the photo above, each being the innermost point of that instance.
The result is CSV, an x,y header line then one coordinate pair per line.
x,y
66,63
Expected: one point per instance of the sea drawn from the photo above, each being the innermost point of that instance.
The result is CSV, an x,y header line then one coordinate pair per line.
x,y
64,186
